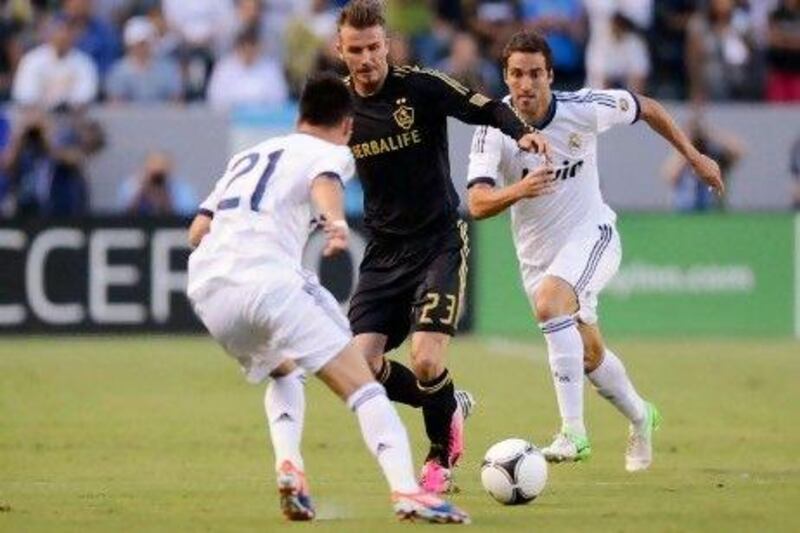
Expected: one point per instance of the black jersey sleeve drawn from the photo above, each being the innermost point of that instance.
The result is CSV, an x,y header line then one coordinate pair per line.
x,y
453,99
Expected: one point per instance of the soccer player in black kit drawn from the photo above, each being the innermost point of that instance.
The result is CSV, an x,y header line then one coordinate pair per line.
x,y
412,277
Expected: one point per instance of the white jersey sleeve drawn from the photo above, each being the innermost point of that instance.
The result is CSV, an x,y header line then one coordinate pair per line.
x,y
209,206
337,162
485,157
613,107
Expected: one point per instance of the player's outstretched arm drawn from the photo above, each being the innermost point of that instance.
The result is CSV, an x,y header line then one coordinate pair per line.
x,y
485,201
662,123
455,100
327,193
200,226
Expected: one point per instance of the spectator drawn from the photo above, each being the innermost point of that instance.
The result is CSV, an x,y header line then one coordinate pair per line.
x,y
156,190
166,43
6,198
669,47
29,18
493,22
310,44
94,36
29,166
794,168
322,20
10,54
140,77
45,163
624,63
55,73
415,20
451,11
204,26
689,194
249,16
719,54
114,12
245,76
639,12
563,24
467,66
783,77
278,17
759,12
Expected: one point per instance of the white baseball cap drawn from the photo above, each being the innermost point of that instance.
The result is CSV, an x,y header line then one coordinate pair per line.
x,y
138,30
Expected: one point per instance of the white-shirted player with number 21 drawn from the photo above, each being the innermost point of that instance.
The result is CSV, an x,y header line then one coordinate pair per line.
x,y
247,285
565,235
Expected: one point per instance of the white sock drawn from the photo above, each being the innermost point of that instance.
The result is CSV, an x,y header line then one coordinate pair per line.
x,y
565,349
385,436
285,403
613,384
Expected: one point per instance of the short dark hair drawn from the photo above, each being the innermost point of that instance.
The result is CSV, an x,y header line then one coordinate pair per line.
x,y
362,14
325,100
528,42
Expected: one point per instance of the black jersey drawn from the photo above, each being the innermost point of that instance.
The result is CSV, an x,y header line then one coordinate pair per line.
x,y
401,151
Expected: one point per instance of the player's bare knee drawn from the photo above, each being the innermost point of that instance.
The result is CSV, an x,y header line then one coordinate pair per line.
x,y
426,367
553,298
545,309
427,357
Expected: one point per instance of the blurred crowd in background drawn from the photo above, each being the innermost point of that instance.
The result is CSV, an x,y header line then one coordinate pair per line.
x,y
58,56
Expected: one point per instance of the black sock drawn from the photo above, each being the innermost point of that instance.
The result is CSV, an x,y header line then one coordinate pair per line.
x,y
400,383
437,410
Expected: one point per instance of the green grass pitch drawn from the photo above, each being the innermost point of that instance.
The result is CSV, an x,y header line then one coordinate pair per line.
x,y
131,434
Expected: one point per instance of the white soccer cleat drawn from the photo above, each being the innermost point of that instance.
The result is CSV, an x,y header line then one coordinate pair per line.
x,y
568,448
293,489
639,453
428,508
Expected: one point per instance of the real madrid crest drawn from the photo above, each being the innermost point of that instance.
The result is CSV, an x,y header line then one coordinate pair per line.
x,y
574,142
623,104
404,115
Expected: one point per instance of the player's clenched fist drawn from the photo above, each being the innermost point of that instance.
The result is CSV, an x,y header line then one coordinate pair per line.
x,y
708,170
337,233
537,182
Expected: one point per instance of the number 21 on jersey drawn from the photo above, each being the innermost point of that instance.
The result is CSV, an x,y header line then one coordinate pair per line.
x,y
247,164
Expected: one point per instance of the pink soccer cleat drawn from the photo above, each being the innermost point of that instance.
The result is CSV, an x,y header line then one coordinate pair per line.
x,y
427,507
435,478
455,448
293,488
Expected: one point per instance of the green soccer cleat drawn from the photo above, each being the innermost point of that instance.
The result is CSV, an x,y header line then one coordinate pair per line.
x,y
568,447
639,453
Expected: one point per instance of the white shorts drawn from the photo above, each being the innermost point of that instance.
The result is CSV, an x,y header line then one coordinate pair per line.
x,y
587,261
291,316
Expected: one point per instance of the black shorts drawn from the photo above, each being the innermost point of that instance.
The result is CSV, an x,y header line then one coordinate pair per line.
x,y
413,285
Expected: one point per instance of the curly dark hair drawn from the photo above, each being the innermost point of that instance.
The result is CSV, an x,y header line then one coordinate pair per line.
x,y
528,42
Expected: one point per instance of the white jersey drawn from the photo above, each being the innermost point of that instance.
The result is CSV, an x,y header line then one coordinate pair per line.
x,y
261,209
541,226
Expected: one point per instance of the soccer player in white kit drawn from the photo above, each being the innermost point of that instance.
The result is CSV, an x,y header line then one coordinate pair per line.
x,y
248,287
565,236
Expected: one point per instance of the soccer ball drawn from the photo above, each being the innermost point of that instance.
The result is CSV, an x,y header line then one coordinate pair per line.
x,y
514,472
